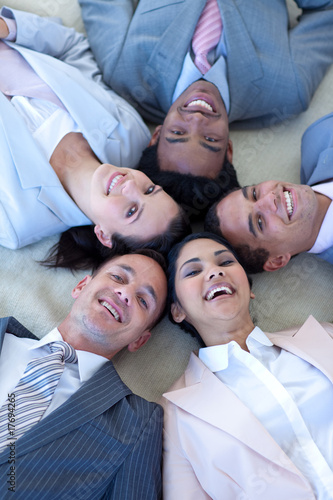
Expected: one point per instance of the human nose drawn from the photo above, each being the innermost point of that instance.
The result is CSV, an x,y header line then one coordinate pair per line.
x,y
267,203
125,294
130,189
195,119
214,272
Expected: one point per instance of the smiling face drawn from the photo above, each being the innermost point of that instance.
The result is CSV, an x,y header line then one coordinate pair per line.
x,y
212,289
194,137
280,217
125,201
117,306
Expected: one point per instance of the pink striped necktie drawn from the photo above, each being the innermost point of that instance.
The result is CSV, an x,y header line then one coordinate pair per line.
x,y
206,35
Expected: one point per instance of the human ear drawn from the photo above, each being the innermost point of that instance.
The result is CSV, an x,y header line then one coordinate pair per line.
x,y
103,238
79,287
136,344
274,263
156,135
230,151
177,312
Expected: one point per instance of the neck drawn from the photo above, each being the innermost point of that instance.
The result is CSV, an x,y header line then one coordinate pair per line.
x,y
323,205
74,162
224,332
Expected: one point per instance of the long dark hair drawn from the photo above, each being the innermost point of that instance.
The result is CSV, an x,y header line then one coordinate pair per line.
x,y
79,248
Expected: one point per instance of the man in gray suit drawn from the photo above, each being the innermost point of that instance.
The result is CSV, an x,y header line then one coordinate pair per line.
x,y
262,71
96,439
270,222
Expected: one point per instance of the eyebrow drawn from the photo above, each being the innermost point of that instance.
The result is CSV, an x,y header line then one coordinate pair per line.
x,y
142,207
149,289
250,220
196,259
214,149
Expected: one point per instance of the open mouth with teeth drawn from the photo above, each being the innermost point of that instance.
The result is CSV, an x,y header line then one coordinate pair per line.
x,y
114,182
201,103
111,310
289,203
219,290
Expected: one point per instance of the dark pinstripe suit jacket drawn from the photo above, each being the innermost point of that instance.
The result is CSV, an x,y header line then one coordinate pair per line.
x,y
104,442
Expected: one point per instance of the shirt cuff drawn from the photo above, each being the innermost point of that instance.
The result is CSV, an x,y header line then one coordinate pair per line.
x,y
11,24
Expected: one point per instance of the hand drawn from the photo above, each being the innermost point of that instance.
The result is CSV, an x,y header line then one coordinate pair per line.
x,y
4,31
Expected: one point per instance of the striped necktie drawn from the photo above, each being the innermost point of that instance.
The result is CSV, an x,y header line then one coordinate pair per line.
x,y
33,393
206,35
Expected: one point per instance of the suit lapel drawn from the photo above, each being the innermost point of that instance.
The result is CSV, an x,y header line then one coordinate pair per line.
x,y
242,58
80,96
98,394
207,398
164,67
311,342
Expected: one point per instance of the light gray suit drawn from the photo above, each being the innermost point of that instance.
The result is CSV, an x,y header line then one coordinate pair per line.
x,y
272,71
317,159
33,203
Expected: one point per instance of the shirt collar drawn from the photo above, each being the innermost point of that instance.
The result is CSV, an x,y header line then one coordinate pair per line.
x,y
88,362
325,237
216,357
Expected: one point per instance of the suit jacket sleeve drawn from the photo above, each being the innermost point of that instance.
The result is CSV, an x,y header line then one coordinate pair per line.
x,y
107,26
139,477
310,48
49,37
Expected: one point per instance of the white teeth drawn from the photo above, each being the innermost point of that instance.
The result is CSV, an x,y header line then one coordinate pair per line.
x,y
110,308
212,293
200,102
114,182
289,202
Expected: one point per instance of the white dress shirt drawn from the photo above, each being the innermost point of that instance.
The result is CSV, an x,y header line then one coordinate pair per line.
x,y
325,236
17,352
291,398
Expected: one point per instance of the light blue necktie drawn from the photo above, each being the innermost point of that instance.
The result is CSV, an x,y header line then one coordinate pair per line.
x,y
33,393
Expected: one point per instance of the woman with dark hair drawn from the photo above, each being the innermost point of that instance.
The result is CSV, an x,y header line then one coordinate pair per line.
x,y
252,415
62,133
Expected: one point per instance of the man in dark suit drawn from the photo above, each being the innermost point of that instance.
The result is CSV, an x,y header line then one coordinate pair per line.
x,y
96,439
263,70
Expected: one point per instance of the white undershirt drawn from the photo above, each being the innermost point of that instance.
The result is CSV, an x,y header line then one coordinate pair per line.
x,y
325,236
291,398
17,352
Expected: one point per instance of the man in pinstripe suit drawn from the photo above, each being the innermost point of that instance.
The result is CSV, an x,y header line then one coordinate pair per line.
x,y
96,439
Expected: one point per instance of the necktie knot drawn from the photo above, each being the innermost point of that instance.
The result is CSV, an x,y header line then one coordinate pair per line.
x,y
67,352
35,390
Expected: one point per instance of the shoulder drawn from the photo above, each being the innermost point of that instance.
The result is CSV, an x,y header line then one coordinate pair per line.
x,y
11,325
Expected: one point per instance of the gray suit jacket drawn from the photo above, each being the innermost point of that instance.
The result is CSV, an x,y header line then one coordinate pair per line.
x,y
317,159
272,71
104,442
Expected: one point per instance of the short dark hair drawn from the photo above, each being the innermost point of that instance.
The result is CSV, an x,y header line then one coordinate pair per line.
x,y
172,265
79,248
195,193
147,252
252,260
